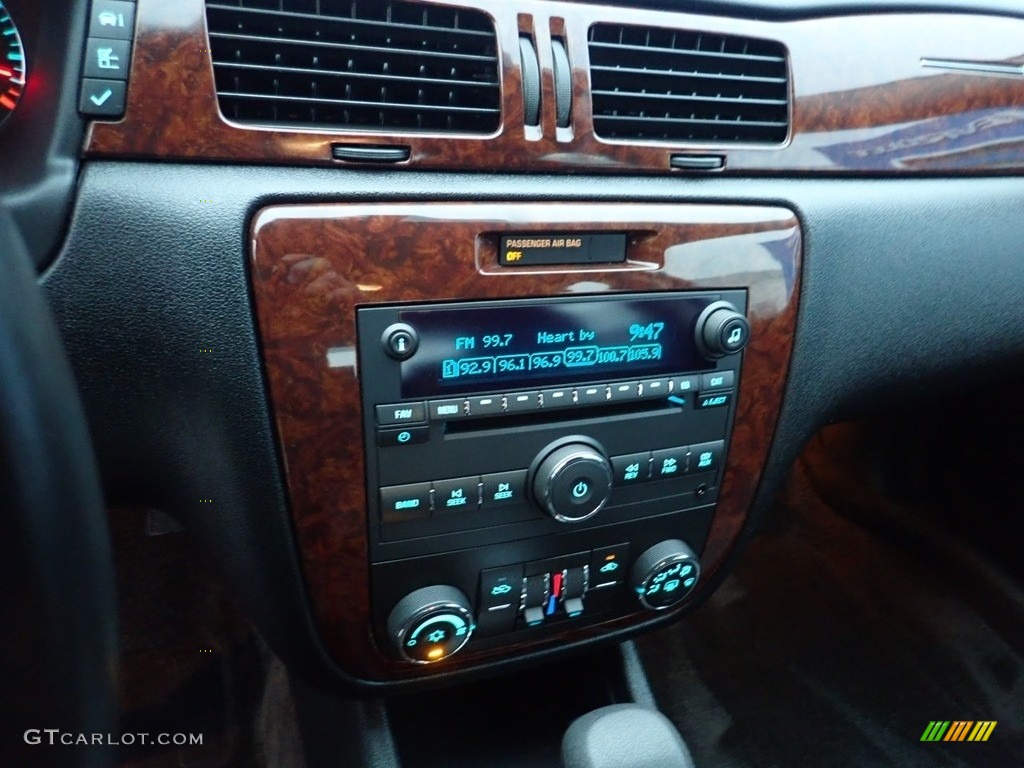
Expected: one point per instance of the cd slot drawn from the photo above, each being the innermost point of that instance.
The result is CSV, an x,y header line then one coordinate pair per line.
x,y
548,419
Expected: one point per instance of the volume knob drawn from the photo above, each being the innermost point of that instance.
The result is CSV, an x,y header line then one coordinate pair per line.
x,y
572,480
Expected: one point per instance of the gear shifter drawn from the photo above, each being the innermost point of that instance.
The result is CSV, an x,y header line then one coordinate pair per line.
x,y
624,736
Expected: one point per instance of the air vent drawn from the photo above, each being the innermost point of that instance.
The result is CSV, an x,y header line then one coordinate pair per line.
x,y
671,85
355,64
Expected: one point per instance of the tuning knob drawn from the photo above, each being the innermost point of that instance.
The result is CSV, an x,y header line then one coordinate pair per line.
x,y
721,330
430,624
572,479
665,574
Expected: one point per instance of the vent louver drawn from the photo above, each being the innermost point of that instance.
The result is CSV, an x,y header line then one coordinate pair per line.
x,y
355,64
654,84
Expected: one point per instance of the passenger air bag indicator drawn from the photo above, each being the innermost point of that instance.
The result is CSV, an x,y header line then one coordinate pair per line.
x,y
527,250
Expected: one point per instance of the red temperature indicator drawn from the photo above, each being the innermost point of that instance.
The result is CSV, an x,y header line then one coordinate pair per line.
x,y
12,65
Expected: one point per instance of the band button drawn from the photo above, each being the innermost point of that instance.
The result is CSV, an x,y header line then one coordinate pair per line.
x,y
401,503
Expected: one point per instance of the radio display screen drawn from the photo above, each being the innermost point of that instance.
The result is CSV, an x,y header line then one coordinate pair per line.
x,y
547,343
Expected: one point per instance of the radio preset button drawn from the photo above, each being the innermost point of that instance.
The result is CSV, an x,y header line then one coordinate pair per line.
x,y
631,469
401,413
668,463
388,438
504,489
652,388
443,410
706,457
490,405
714,400
717,380
459,495
558,398
624,390
592,395
401,503
521,402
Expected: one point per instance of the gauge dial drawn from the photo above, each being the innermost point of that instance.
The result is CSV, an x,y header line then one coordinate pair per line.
x,y
12,65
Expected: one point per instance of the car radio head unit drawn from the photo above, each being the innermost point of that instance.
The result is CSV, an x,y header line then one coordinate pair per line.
x,y
541,461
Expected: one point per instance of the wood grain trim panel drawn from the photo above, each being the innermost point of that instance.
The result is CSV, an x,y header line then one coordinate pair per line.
x,y
863,102
313,265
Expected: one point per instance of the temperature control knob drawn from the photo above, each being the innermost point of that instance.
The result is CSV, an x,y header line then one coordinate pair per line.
x,y
430,624
665,574
721,330
572,479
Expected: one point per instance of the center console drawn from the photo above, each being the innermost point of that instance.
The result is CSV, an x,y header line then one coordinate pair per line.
x,y
510,430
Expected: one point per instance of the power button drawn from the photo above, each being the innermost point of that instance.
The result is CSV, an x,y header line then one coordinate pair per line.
x,y
400,341
572,482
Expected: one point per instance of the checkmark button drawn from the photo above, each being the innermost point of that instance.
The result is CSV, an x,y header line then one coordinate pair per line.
x,y
102,98
99,101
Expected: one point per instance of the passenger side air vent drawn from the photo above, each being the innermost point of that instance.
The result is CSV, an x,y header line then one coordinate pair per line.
x,y
366,65
673,85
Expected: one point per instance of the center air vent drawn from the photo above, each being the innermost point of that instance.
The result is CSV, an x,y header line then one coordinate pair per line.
x,y
355,64
673,85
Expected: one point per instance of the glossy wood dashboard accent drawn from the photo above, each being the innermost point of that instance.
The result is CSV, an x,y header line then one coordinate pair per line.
x,y
312,266
862,100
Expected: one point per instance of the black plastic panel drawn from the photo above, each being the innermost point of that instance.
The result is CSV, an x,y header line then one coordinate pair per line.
x,y
908,287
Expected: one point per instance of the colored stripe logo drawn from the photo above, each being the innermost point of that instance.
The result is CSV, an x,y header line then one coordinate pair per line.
x,y
958,730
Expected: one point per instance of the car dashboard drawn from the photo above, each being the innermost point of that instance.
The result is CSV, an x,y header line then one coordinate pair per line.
x,y
468,335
